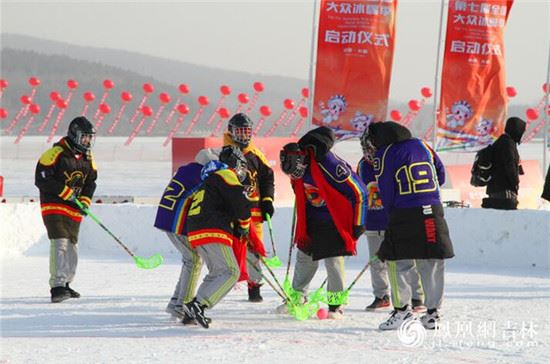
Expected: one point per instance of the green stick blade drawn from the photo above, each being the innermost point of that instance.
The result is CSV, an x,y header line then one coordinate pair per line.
x,y
148,263
273,262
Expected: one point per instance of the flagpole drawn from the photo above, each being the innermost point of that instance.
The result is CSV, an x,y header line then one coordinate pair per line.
x,y
546,135
437,74
312,65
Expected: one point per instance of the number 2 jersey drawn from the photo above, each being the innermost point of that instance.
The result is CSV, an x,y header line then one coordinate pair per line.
x,y
409,174
216,207
175,201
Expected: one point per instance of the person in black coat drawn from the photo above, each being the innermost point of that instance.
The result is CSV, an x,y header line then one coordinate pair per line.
x,y
503,186
546,189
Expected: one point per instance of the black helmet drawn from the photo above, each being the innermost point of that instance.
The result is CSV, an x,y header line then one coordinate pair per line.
x,y
293,160
240,128
78,128
235,159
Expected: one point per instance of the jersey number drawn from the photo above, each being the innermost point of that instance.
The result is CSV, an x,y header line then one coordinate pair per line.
x,y
416,178
195,208
172,195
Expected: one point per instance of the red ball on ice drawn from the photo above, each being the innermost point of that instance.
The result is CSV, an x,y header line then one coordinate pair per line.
x,y
322,313
4,84
3,113
303,111
305,92
511,91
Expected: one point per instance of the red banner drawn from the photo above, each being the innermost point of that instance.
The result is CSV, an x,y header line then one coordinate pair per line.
x,y
354,59
473,89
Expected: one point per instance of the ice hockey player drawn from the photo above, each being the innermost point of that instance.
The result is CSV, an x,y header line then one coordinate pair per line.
x,y
409,175
376,223
261,192
171,218
330,207
66,173
219,211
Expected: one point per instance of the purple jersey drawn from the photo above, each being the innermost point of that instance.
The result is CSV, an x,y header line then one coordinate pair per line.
x,y
377,217
173,203
341,177
409,174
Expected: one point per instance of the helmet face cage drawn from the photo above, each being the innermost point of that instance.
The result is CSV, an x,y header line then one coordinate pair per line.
x,y
240,129
81,134
241,134
293,163
369,150
242,171
86,141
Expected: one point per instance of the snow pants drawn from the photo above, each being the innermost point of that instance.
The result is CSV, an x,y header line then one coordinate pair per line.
x,y
190,270
402,275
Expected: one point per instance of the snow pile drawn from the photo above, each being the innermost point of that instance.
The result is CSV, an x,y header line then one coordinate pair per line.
x,y
481,237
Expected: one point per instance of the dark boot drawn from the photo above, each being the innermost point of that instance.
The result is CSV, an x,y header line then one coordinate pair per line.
x,y
196,311
379,303
254,292
72,292
59,294
188,320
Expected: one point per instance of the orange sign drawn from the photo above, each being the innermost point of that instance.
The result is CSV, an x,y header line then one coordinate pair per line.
x,y
354,60
473,89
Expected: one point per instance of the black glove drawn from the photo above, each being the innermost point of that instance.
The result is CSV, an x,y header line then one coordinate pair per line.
x,y
358,230
267,208
240,232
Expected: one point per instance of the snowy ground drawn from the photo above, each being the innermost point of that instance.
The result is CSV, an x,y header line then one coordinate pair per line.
x,y
493,314
492,317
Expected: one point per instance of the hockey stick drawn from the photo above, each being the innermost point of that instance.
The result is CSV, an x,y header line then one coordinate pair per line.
x,y
342,297
274,261
144,263
251,263
286,283
292,231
